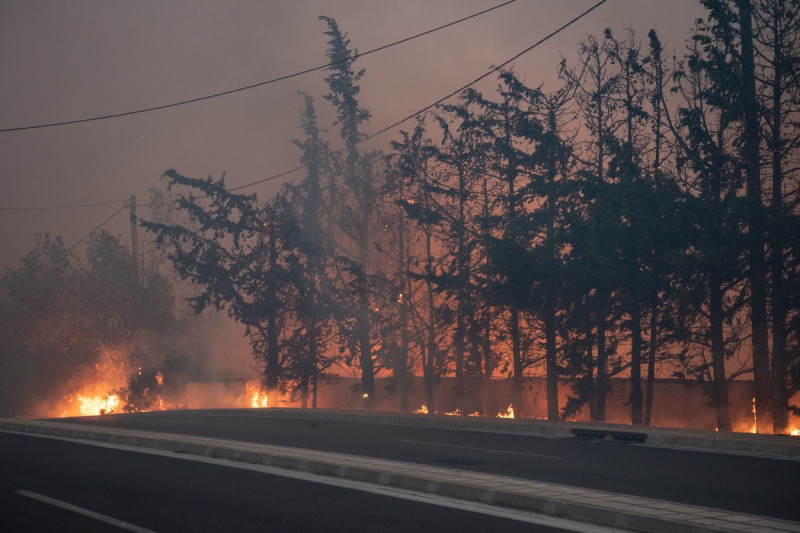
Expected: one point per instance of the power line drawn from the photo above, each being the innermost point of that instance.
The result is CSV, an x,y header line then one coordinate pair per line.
x,y
391,126
255,85
493,70
53,207
103,223
440,100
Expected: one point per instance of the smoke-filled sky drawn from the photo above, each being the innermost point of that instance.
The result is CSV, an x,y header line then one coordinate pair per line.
x,y
62,61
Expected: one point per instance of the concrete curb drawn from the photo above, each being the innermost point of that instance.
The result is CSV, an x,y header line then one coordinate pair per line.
x,y
625,512
775,446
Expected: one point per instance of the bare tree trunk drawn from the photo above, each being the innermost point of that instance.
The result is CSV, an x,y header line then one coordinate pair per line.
x,y
551,364
590,372
651,362
602,358
720,379
488,365
363,322
758,265
272,369
780,394
401,370
458,349
636,365
518,380
429,368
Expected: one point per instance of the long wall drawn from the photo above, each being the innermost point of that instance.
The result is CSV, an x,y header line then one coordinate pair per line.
x,y
675,404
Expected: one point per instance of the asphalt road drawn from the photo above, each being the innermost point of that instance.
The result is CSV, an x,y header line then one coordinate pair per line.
x,y
754,485
167,494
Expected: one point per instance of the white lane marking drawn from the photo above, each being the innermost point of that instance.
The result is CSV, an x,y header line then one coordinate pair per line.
x,y
176,420
479,449
85,512
423,497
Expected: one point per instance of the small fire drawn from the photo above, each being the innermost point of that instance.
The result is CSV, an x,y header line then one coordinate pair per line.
x,y
508,414
423,410
257,397
795,431
259,400
456,412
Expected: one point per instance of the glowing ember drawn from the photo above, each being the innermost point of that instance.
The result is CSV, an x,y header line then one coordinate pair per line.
x,y
423,410
457,412
508,414
365,395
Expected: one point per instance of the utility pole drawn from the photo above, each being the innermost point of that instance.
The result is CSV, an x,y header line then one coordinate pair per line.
x,y
134,240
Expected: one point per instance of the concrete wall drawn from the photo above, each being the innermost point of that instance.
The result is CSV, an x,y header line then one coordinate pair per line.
x,y
675,404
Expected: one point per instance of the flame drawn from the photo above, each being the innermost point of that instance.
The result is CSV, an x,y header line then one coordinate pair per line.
x,y
99,405
259,400
423,409
794,431
508,414
107,388
256,396
748,425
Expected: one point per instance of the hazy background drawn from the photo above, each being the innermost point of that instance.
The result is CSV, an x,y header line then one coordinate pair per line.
x,y
69,60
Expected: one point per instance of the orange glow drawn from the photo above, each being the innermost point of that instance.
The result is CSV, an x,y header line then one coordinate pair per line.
x,y
795,431
423,410
104,389
258,398
508,414
748,426
259,401
98,405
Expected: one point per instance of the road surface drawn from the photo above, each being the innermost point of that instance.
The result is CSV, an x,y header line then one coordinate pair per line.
x,y
51,485
753,485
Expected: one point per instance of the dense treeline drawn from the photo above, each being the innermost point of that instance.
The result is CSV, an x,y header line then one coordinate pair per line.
x,y
67,322
642,215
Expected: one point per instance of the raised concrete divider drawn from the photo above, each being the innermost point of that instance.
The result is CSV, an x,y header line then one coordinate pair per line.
x,y
599,507
778,446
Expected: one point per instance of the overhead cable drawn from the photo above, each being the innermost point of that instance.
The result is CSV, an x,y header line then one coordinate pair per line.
x,y
52,207
490,72
399,122
442,99
103,223
255,85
